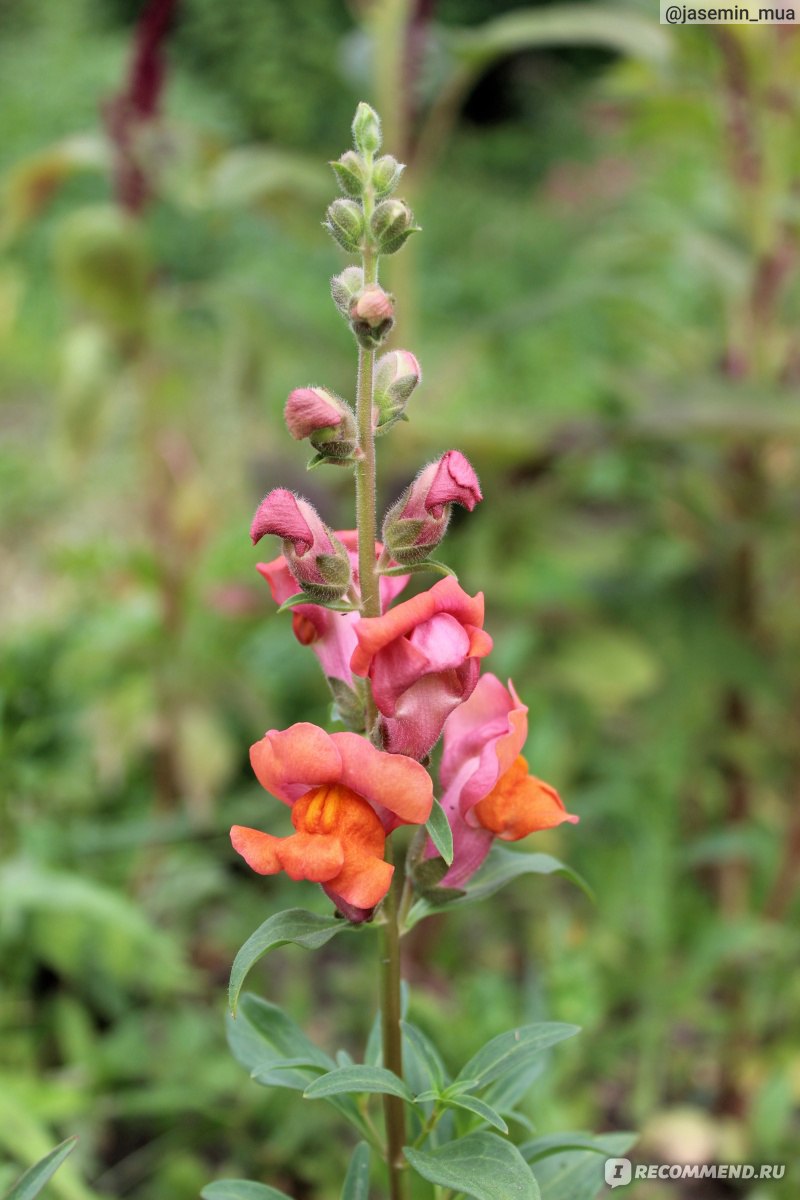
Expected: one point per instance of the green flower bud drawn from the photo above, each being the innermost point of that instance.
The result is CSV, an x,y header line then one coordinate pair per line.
x,y
392,223
345,223
345,286
366,129
386,175
351,174
396,376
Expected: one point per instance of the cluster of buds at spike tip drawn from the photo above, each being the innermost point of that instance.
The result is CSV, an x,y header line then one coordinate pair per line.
x,y
367,219
314,555
326,420
417,522
396,375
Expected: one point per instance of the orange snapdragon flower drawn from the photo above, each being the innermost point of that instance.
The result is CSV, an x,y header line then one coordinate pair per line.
x,y
346,797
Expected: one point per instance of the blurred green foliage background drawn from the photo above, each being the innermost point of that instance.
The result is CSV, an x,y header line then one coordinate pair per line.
x,y
605,304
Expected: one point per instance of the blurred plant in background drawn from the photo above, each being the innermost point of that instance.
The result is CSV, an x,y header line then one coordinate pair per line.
x,y
636,331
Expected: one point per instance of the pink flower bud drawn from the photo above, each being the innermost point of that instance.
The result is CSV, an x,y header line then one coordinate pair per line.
x,y
325,419
372,316
374,306
418,521
396,376
315,556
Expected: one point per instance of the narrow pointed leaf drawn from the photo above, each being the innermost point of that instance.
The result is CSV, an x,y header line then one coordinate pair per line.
x,y
501,867
481,1165
34,1179
304,598
430,564
356,1183
505,1051
474,1105
356,1080
438,827
294,925
241,1189
426,1053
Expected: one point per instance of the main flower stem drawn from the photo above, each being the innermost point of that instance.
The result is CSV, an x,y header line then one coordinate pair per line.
x,y
393,1106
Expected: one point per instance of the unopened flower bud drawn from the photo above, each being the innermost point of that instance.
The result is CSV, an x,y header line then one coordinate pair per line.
x,y
366,129
314,555
418,521
386,175
372,315
392,223
325,419
396,375
345,223
351,173
345,287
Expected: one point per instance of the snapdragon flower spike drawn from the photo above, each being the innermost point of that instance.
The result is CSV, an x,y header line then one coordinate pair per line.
x,y
417,522
396,375
316,558
325,419
331,635
422,658
346,797
488,791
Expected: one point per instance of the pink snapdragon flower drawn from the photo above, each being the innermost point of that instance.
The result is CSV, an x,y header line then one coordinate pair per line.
x,y
346,797
417,522
314,555
330,635
423,660
487,790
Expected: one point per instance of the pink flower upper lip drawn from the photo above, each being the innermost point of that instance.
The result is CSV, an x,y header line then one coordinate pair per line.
x,y
308,409
422,658
454,482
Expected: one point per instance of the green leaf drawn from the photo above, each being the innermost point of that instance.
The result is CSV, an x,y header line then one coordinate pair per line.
x,y
430,564
241,1189
358,1079
34,1179
562,25
356,1183
304,598
426,1054
474,1105
569,1166
500,868
295,925
263,1038
504,1052
438,827
480,1165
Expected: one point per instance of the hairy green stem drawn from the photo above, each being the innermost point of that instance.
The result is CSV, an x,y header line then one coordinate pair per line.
x,y
394,1111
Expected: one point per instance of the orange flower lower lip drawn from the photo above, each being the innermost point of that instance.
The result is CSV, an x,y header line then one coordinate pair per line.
x,y
520,804
339,841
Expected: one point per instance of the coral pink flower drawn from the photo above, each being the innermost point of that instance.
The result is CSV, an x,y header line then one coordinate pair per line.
x,y
423,659
330,635
316,558
417,522
488,792
346,796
